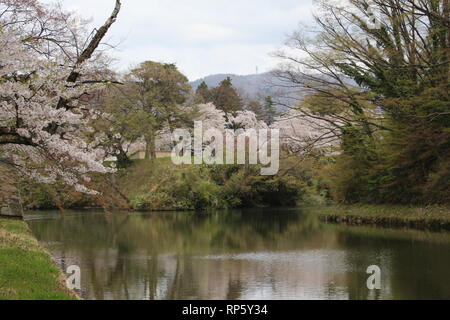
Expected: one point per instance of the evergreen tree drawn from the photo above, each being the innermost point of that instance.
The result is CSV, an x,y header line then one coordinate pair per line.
x,y
256,107
203,94
270,110
159,91
387,94
226,98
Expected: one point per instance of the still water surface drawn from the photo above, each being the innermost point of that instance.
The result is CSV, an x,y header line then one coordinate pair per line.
x,y
262,254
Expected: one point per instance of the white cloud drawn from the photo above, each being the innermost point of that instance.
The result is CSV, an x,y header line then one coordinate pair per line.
x,y
203,32
202,36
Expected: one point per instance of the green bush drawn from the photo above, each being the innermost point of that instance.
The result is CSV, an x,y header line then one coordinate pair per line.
x,y
161,185
35,196
170,187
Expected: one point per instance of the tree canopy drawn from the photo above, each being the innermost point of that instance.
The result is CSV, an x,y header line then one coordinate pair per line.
x,y
45,76
383,92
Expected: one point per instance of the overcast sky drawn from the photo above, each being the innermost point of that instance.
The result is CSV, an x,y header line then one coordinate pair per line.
x,y
202,37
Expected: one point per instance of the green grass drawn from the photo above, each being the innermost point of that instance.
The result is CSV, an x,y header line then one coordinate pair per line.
x,y
388,211
26,270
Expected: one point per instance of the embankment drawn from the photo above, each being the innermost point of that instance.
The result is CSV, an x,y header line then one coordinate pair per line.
x,y
436,218
27,271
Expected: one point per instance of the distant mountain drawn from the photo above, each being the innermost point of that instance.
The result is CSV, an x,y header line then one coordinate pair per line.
x,y
253,86
259,86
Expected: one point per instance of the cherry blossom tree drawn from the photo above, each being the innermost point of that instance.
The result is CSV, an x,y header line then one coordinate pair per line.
x,y
45,75
301,134
211,118
217,119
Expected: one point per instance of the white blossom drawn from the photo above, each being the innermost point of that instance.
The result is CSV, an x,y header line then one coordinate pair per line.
x,y
30,89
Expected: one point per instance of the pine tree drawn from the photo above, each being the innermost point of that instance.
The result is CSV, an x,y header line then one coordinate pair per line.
x,y
203,94
256,107
270,110
226,98
159,91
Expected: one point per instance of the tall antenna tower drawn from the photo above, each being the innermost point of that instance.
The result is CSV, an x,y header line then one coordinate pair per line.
x,y
257,70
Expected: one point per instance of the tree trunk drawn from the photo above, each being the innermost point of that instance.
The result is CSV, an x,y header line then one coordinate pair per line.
x,y
10,204
123,161
150,148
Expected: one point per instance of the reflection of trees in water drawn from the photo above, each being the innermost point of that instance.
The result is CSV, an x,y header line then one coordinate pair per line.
x,y
235,288
423,278
151,277
182,285
123,251
187,256
413,263
179,232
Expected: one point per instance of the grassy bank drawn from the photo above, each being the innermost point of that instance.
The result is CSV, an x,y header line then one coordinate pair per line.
x,y
424,218
26,270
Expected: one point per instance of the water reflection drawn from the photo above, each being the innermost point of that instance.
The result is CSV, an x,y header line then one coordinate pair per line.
x,y
263,254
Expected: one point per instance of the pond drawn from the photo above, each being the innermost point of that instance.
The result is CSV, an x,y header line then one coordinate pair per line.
x,y
251,254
